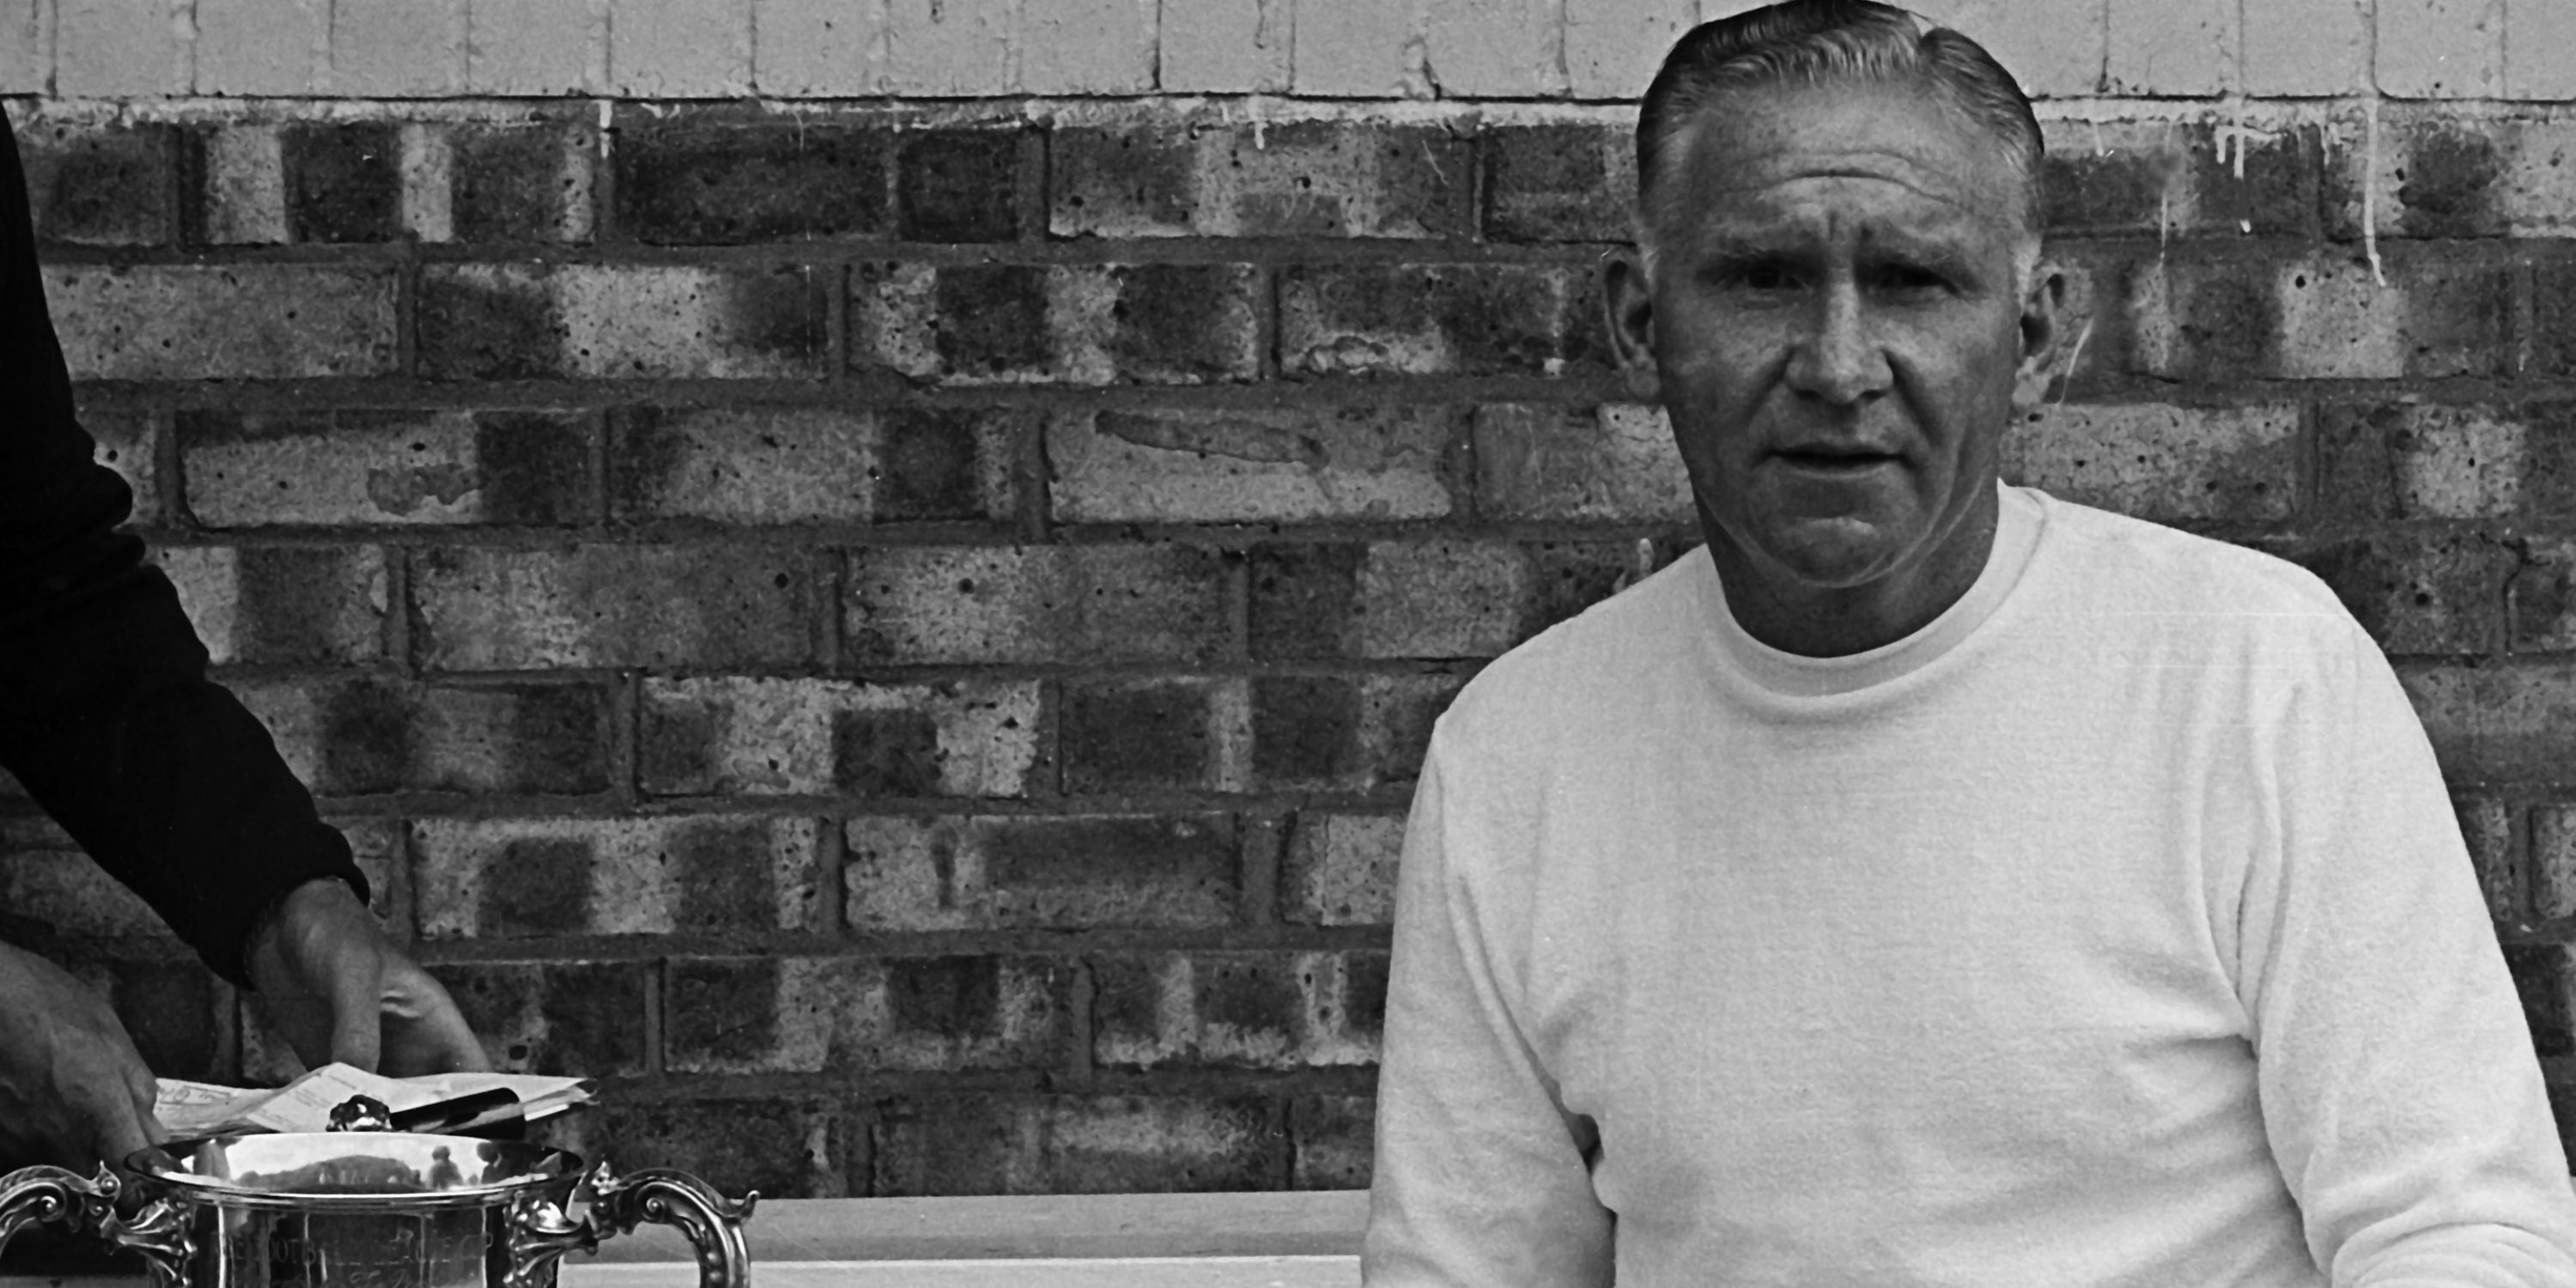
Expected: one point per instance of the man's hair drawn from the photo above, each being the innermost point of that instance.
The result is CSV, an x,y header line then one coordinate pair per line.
x,y
1813,42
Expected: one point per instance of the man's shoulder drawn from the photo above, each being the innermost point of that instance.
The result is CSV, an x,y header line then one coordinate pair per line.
x,y
1623,648
2126,560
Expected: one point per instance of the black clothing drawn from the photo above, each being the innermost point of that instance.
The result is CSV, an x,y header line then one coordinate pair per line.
x,y
106,715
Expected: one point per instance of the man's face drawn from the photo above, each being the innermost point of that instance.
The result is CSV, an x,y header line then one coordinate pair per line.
x,y
1836,328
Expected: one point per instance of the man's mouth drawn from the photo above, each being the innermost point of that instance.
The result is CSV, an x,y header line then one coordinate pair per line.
x,y
1836,460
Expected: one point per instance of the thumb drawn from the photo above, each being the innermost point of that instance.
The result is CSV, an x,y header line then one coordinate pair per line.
x,y
124,1121
357,1000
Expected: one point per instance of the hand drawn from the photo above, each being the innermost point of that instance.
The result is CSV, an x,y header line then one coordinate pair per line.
x,y
73,1090
336,990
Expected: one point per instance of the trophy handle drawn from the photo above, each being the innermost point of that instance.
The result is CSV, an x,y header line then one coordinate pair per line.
x,y
540,1232
54,1196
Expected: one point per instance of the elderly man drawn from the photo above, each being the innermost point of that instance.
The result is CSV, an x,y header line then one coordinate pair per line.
x,y
1929,881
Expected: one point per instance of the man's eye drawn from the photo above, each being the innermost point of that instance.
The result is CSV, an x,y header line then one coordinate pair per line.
x,y
1909,279
1763,277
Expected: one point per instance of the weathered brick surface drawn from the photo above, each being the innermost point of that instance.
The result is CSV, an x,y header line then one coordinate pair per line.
x,y
1035,603
2431,461
1143,735
1343,733
172,1009
1480,320
2437,173
563,1017
519,183
1238,1010
1290,179
2496,723
130,444
547,877
2420,592
479,608
1555,183
733,736
2553,860
512,321
2542,597
1335,1140
100,185
2318,318
282,603
850,1014
233,321
723,178
2168,464
1363,463
788,1147
767,465
2541,976
1074,324
349,467
1026,1144
1340,869
46,881
932,873
362,736
1612,462
2487,825
2183,175
1423,599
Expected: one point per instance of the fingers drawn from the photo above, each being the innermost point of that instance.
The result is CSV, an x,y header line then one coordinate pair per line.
x,y
425,1033
357,1006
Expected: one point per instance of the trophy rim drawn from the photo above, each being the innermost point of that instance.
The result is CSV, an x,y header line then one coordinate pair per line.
x,y
535,1169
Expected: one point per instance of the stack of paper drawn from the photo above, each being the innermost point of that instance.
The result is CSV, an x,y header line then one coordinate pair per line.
x,y
203,1109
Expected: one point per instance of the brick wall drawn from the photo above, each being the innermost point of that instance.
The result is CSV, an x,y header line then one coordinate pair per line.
x,y
878,583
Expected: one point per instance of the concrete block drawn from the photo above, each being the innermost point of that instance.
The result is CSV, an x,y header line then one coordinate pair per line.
x,y
243,321
2166,464
1087,47
680,48
26,46
1360,49
505,878
2173,48
534,49
1226,46
1614,47
2441,48
1367,463
2307,48
398,48
481,608
1495,48
815,48
263,47
2056,50
949,48
127,49
2536,40
1030,872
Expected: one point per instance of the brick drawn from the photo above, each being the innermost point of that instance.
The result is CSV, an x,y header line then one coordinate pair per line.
x,y
45,880
2437,173
2472,462
261,47
1370,462
1340,869
484,608
2420,592
1087,47
385,467
1225,47
516,878
2054,50
519,183
961,185
102,185
2441,48
1237,1010
1480,319
1494,48
2496,723
782,1147
2163,463
2171,176
865,1015
1614,462
129,443
118,49
732,736
397,48
2540,978
1081,324
2486,824
2536,39
2172,48
1031,872
1027,1144
756,465
947,48
2310,48
1335,1140
2553,319
1035,604
1343,733
506,321
2542,597
536,49
708,180
367,735
1139,735
1289,179
679,49
243,202
1559,183
1613,47
2320,318
234,321
254,604
1429,599
2553,858
562,1018
814,48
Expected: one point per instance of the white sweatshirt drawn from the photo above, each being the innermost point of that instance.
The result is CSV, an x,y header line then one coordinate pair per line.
x,y
2114,928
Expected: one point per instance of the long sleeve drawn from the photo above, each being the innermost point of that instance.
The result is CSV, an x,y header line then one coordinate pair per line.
x,y
1481,1177
106,715
2399,1088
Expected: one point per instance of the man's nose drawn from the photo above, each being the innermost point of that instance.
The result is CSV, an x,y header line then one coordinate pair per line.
x,y
1837,360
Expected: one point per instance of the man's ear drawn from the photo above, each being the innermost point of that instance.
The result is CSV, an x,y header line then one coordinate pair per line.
x,y
1630,304
2044,324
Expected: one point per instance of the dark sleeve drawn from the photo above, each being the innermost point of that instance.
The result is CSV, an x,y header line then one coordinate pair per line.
x,y
106,715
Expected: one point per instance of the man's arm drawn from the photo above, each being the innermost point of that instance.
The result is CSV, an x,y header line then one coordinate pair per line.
x,y
1481,1177
2399,1087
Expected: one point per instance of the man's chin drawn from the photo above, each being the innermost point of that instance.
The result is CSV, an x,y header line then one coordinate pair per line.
x,y
1832,554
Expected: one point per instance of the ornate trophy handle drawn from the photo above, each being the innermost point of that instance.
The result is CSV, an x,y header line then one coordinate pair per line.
x,y
54,1196
540,1233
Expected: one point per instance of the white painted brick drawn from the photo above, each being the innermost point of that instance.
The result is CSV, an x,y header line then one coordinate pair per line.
x,y
2540,50
2307,48
260,46
2441,48
120,48
1358,49
2056,49
26,46
1086,47
1613,47
515,47
814,48
2173,47
389,48
1495,48
1226,46
959,47
680,48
